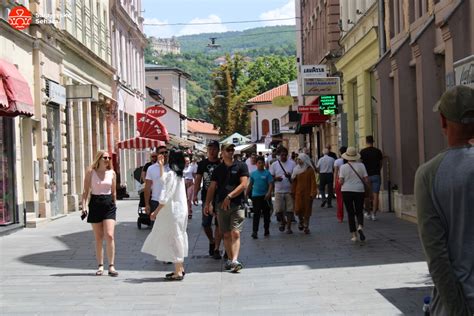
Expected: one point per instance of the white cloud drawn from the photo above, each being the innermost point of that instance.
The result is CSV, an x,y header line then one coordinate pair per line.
x,y
284,12
208,28
161,31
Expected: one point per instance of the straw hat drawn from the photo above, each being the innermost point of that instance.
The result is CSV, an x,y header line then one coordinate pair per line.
x,y
351,154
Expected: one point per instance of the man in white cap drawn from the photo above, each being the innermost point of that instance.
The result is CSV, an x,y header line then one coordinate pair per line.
x,y
444,191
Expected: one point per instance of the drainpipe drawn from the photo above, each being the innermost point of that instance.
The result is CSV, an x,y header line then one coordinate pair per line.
x,y
179,98
382,45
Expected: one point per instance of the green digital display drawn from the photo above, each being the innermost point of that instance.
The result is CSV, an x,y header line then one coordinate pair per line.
x,y
328,104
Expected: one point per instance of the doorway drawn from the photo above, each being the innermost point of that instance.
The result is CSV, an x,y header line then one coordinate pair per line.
x,y
54,159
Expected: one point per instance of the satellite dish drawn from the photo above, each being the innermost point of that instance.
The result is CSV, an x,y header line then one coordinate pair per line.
x,y
213,44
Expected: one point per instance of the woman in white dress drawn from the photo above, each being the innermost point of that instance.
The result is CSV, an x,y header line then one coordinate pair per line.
x,y
168,241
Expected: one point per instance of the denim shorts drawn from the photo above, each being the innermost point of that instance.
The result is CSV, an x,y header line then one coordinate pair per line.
x,y
375,182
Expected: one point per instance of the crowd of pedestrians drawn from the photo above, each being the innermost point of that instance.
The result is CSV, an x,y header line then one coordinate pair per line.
x,y
288,187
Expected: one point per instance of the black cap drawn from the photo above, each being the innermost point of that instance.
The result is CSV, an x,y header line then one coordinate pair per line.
x,y
213,143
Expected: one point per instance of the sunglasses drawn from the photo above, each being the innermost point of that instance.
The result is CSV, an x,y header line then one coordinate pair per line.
x,y
230,150
163,153
154,156
106,158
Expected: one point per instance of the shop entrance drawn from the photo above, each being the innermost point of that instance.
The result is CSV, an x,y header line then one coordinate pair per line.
x,y
8,214
54,159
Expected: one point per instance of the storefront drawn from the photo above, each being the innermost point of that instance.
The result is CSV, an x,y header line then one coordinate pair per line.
x,y
15,104
8,214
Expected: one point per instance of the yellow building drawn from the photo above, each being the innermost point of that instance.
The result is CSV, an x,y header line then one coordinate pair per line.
x,y
361,53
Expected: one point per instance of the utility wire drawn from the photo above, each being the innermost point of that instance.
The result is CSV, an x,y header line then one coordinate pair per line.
x,y
213,23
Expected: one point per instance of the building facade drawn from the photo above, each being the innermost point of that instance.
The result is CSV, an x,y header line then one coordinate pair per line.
x,y
359,38
429,47
170,83
128,44
163,46
64,59
318,44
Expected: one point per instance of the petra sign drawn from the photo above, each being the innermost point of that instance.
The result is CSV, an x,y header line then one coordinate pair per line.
x,y
156,111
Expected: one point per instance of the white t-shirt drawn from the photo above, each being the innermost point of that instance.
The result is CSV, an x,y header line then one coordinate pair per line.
x,y
283,186
325,164
338,163
189,171
352,183
251,167
153,173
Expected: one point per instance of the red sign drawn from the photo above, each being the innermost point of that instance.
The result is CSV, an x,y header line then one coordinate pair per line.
x,y
156,111
308,108
150,127
19,18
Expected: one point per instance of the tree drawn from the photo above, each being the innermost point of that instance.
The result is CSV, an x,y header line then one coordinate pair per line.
x,y
271,71
228,112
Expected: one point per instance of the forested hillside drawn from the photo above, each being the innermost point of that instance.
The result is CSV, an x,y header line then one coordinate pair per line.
x,y
269,60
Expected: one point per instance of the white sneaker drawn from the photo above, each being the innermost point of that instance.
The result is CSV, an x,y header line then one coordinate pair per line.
x,y
373,217
367,215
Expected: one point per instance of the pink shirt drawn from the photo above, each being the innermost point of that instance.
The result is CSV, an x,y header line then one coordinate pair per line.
x,y
102,187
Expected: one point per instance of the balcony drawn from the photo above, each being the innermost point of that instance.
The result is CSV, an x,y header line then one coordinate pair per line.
x,y
290,119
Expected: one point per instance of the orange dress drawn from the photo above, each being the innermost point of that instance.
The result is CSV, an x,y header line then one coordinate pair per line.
x,y
304,190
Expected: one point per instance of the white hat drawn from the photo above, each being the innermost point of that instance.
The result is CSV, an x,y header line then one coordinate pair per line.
x,y
351,154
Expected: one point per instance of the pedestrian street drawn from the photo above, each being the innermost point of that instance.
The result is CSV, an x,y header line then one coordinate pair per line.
x,y
50,270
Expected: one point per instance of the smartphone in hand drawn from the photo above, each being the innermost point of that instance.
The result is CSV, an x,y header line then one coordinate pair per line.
x,y
83,215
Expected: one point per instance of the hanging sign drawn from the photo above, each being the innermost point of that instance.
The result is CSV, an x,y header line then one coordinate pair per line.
x,y
156,111
322,86
313,71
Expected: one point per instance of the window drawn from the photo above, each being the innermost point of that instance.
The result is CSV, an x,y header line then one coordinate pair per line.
x,y
275,126
265,127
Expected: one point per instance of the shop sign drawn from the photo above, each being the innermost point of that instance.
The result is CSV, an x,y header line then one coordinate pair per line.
x,y
308,108
322,86
19,18
328,104
56,93
156,111
313,71
464,71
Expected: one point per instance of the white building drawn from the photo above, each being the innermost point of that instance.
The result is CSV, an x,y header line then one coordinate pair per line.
x,y
128,44
265,119
171,83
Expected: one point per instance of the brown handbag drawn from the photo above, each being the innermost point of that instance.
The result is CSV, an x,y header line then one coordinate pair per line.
x,y
367,188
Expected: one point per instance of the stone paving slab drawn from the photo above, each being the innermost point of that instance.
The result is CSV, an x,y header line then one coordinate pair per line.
x,y
50,270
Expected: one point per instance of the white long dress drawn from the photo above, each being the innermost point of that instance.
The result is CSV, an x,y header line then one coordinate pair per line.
x,y
168,240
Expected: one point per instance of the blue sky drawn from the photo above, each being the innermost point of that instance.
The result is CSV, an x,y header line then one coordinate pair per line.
x,y
216,11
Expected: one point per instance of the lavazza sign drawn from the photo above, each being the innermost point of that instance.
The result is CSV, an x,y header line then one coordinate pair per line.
x,y
313,71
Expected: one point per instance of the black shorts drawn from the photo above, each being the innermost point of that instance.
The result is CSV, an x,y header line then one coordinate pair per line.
x,y
101,207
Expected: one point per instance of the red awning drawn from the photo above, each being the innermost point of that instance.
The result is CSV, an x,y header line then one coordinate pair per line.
x,y
312,119
3,96
16,90
139,143
151,127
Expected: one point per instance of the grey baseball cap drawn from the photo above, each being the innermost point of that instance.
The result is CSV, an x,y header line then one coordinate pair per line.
x,y
457,105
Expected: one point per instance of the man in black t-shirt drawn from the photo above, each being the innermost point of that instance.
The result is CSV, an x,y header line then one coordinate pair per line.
x,y
330,153
372,158
204,172
228,182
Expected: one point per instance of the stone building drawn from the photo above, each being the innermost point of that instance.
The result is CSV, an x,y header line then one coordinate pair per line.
x,y
429,47
318,44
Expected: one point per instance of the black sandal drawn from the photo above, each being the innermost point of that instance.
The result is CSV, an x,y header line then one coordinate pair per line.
x,y
112,273
99,270
300,226
306,230
169,275
174,277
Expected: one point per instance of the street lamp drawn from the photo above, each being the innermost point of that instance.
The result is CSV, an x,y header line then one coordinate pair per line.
x,y
256,114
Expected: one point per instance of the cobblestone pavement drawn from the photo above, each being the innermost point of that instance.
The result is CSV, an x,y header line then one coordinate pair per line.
x,y
50,270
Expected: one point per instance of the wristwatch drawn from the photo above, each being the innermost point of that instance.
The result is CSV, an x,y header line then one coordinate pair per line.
x,y
228,197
